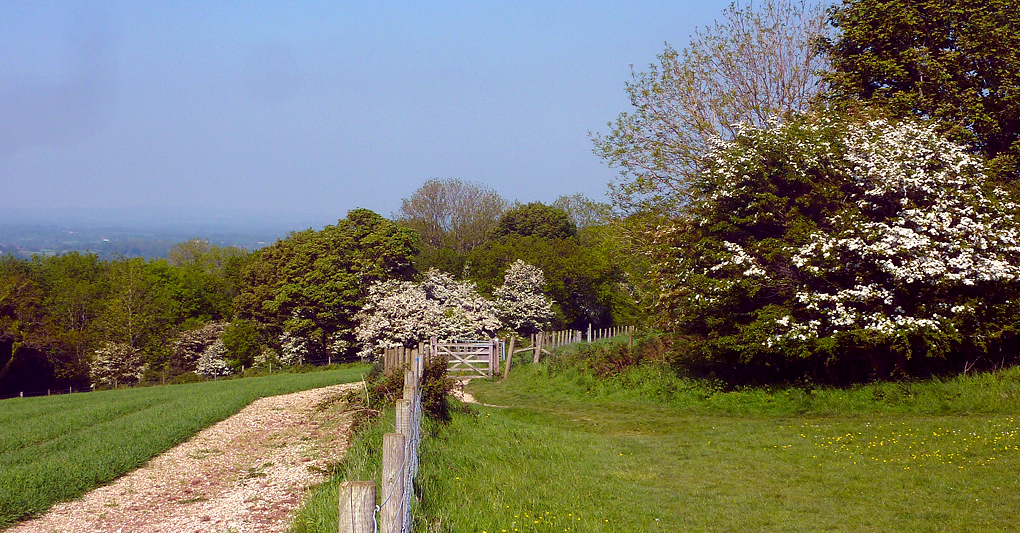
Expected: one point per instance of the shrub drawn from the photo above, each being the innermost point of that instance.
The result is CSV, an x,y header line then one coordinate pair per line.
x,y
843,250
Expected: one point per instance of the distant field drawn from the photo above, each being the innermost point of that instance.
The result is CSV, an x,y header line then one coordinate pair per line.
x,y
570,454
57,448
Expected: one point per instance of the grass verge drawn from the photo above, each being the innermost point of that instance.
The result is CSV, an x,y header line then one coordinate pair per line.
x,y
57,448
363,462
646,451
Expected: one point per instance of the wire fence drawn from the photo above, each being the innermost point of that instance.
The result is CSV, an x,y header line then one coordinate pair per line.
x,y
325,361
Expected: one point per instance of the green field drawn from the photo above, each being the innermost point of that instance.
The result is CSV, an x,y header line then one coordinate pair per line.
x,y
57,448
635,453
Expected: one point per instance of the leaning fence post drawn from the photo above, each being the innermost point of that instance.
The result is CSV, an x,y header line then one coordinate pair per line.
x,y
357,507
509,356
392,512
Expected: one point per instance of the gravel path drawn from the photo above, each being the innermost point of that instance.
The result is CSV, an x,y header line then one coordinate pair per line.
x,y
248,473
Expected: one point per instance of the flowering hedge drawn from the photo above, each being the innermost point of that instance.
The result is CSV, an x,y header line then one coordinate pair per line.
x,y
846,250
405,313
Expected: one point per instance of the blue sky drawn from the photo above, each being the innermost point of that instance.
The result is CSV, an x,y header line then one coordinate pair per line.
x,y
196,109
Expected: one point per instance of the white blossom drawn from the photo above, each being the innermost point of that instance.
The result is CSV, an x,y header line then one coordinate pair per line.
x,y
522,305
404,313
116,363
293,349
212,362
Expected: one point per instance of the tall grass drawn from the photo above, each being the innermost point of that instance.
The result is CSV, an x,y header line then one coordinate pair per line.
x,y
57,448
599,373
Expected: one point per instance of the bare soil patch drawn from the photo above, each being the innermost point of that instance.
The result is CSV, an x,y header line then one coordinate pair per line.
x,y
246,474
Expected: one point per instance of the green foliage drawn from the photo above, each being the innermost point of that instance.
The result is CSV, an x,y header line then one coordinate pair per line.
x,y
956,61
584,282
312,283
535,219
436,385
608,358
840,251
242,341
451,215
757,62
58,448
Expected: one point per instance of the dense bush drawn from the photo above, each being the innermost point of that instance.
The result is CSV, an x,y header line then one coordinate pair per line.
x,y
606,359
842,251
435,386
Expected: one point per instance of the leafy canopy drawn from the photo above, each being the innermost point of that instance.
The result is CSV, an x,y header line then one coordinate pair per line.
x,y
954,61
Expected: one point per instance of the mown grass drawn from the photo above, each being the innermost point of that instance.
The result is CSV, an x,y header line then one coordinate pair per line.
x,y
57,448
647,451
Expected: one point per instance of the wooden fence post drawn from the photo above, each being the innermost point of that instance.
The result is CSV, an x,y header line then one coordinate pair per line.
x,y
410,384
538,347
493,356
357,507
391,516
509,356
404,417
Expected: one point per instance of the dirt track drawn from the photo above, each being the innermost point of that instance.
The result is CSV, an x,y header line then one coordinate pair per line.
x,y
248,473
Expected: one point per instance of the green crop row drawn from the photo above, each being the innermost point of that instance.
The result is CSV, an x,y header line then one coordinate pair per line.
x,y
57,448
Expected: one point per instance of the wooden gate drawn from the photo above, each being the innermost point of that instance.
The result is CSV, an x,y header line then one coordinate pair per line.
x,y
469,359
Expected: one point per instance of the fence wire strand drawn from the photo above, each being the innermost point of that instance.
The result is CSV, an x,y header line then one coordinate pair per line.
x,y
409,468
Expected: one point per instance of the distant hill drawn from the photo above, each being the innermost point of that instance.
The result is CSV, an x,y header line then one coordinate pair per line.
x,y
25,240
142,232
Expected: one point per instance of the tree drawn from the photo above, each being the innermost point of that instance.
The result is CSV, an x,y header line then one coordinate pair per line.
x,y
522,305
844,250
452,214
189,346
754,65
208,274
116,363
405,313
954,61
311,284
242,340
585,283
25,331
75,286
584,212
213,361
535,219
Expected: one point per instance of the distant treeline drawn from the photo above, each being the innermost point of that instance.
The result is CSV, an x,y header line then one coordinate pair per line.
x,y
75,320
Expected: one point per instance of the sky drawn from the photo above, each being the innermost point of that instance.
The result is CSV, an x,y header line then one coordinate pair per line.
x,y
254,110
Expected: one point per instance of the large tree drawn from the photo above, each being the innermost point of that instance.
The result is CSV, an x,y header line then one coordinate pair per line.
x,y
535,219
452,214
955,61
26,338
757,64
310,285
405,313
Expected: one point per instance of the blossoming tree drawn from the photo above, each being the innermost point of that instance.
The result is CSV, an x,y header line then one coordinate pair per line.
x,y
116,363
404,313
522,305
846,250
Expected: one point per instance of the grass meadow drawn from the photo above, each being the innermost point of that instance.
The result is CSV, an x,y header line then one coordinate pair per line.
x,y
645,450
57,448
